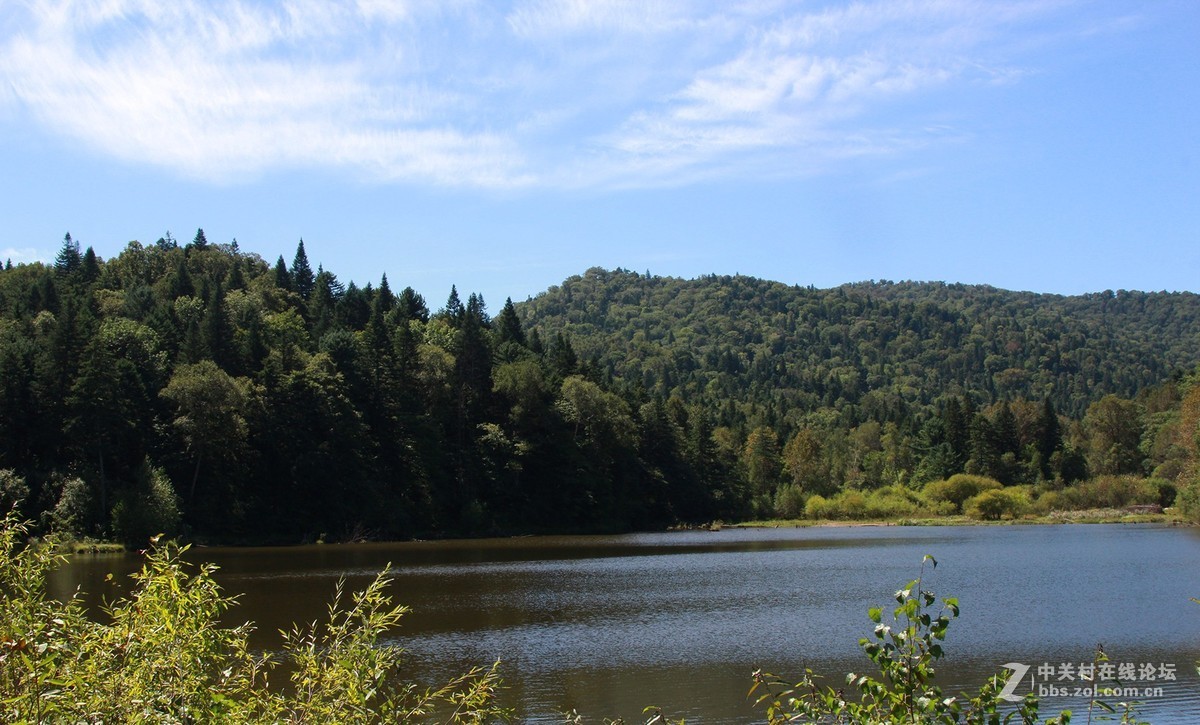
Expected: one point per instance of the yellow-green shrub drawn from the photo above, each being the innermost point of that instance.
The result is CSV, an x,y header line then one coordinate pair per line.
x,y
817,507
1050,501
1111,492
996,504
891,502
958,488
165,657
849,505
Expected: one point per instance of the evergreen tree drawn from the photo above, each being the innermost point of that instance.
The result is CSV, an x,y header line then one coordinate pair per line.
x,y
89,270
937,454
1049,437
20,413
508,325
760,456
385,301
378,334
237,275
412,305
199,242
473,386
985,458
562,358
252,348
302,274
69,260
535,342
329,281
1008,439
283,278
97,413
958,434
322,305
218,334
354,309
179,284
454,311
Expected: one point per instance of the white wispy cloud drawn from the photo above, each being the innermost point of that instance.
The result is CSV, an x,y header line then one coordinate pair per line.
x,y
800,87
552,18
22,255
466,93
221,91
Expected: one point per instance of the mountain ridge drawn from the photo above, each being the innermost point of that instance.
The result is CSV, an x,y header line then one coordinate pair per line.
x,y
1071,348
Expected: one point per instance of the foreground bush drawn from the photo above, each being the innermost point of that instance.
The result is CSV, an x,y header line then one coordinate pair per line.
x,y
905,651
165,657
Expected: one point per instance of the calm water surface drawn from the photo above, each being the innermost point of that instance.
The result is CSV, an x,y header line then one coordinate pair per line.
x,y
607,625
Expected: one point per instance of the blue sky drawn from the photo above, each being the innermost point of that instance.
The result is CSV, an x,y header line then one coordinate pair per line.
x,y
1046,145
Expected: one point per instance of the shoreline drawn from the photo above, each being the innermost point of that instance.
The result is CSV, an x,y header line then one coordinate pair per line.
x,y
1089,516
1086,516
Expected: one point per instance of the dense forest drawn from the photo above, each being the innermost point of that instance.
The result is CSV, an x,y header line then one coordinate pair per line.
x,y
867,350
199,389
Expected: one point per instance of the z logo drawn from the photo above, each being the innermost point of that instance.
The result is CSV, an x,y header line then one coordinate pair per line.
x,y
1018,672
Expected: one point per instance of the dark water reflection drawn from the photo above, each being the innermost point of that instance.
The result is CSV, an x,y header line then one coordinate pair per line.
x,y
608,625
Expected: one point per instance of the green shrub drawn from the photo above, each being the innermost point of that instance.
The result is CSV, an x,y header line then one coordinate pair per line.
x,y
762,506
940,508
165,657
958,488
817,507
996,504
1166,491
74,514
1049,502
905,652
13,490
1111,492
789,501
891,502
146,508
849,505
1188,500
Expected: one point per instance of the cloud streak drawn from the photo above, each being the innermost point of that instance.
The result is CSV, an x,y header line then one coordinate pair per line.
x,y
22,255
544,92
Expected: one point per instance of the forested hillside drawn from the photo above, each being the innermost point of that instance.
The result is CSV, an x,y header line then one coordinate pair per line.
x,y
875,385
199,389
867,350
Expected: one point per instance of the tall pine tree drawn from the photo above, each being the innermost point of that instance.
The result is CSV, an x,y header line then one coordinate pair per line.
x,y
69,260
283,278
302,274
200,242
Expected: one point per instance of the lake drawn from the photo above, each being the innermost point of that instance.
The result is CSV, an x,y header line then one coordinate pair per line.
x,y
609,624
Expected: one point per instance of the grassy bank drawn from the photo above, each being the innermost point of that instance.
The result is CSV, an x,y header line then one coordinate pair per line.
x,y
73,547
1088,516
